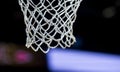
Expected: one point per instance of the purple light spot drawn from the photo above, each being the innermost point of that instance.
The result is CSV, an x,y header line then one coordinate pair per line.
x,y
22,57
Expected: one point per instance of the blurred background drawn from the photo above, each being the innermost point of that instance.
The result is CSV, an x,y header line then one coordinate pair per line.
x,y
96,30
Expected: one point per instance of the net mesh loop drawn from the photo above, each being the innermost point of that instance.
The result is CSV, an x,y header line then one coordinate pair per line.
x,y
49,23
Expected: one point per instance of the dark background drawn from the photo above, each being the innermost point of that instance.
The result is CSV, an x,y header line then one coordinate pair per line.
x,y
98,24
96,27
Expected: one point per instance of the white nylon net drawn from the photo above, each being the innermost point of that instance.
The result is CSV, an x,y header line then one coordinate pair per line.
x,y
49,23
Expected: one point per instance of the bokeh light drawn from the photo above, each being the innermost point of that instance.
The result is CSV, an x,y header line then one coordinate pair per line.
x,y
109,12
22,57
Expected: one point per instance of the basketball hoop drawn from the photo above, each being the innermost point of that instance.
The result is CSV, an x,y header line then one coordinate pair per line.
x,y
49,23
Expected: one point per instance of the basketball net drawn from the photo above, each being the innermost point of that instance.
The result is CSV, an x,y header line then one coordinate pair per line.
x,y
49,23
